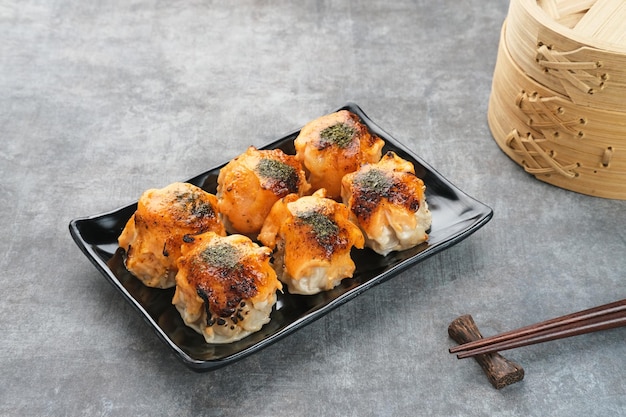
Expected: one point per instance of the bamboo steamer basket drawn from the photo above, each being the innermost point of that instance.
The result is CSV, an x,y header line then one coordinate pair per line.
x,y
577,48
577,146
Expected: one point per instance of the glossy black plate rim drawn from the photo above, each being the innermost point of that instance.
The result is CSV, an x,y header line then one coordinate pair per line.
x,y
478,214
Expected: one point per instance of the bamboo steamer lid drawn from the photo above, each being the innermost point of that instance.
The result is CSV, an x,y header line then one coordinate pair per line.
x,y
579,147
575,47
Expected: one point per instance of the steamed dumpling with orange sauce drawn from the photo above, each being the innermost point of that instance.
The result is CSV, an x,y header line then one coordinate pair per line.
x,y
225,286
164,219
250,184
387,202
334,145
312,238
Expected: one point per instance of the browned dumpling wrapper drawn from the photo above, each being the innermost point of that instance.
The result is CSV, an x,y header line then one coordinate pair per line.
x,y
387,201
250,184
164,218
333,146
225,287
312,237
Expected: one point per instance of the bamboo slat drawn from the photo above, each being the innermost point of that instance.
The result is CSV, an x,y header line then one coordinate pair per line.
x,y
568,7
605,20
571,20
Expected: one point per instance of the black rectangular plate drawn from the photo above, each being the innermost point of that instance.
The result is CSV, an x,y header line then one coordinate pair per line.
x,y
455,216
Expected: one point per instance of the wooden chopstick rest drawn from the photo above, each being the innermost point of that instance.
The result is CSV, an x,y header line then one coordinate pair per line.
x,y
604,317
499,370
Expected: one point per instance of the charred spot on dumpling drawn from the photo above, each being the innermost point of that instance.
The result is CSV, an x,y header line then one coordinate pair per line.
x,y
401,195
207,308
283,178
340,134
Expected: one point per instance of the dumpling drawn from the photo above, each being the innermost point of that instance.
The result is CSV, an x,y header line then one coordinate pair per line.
x,y
164,218
225,286
387,202
251,183
312,237
334,145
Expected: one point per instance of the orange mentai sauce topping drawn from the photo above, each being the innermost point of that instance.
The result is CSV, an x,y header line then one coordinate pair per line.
x,y
164,218
221,279
251,183
372,186
312,237
333,146
320,231
225,272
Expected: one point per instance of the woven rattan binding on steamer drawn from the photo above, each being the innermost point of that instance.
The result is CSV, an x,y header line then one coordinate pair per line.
x,y
589,71
534,158
575,147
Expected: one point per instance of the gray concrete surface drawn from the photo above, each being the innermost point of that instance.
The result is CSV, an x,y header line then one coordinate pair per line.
x,y
101,100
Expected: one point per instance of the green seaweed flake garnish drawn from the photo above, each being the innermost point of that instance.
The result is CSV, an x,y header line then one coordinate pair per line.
x,y
374,181
323,227
340,134
222,255
279,171
194,204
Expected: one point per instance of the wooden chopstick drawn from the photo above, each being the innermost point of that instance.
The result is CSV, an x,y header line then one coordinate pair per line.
x,y
545,325
592,325
603,317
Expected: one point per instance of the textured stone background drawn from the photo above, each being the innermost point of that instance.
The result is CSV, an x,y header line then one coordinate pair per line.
x,y
102,100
